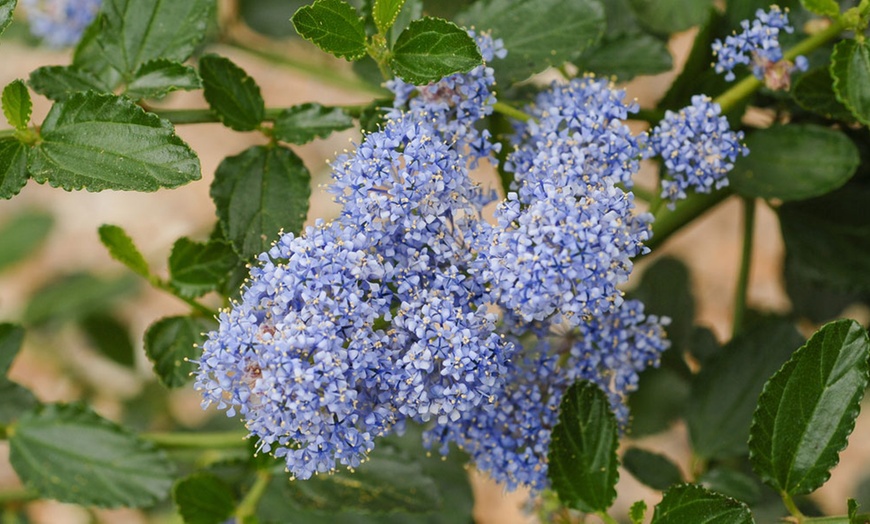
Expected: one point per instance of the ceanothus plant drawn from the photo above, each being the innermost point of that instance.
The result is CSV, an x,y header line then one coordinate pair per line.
x,y
363,361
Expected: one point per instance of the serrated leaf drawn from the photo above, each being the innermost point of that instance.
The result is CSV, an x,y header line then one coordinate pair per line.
x,y
170,342
303,123
814,91
582,457
691,503
17,105
334,26
134,32
13,167
850,69
231,93
203,498
21,234
732,483
257,194
75,296
157,78
432,48
808,409
725,392
71,454
652,469
637,512
59,82
98,141
822,7
122,249
196,268
385,13
670,16
11,337
110,337
794,162
6,9
537,33
626,56
17,401
411,10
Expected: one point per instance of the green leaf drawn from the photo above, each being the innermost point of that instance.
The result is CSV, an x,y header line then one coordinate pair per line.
x,y
21,234
626,56
157,78
257,194
88,56
814,91
334,26
725,392
732,483
852,506
269,17
11,338
582,457
196,268
170,343
411,10
822,7
6,9
203,498
59,82
13,167
794,162
537,33
637,512
432,48
385,13
671,16
122,249
76,296
808,409
71,454
659,400
652,469
135,32
303,123
17,401
110,337
17,105
96,141
231,93
850,69
690,503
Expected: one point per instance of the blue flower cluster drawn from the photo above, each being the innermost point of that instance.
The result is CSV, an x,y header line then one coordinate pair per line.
x,y
758,46
60,23
698,148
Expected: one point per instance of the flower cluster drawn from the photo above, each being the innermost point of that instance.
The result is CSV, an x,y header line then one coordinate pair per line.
x,y
698,148
758,46
60,23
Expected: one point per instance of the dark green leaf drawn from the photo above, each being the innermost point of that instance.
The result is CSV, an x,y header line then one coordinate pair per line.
x,y
725,392
11,337
110,337
537,33
385,13
822,7
257,194
233,94
814,92
71,454
170,342
98,142
794,162
76,296
432,48
17,401
59,82
814,299
626,56
6,9
13,167
582,457
135,32
334,26
122,249
732,483
637,512
88,56
670,16
196,268
21,234
203,498
852,506
411,10
703,344
690,503
850,69
659,400
270,17
808,409
16,104
157,78
652,469
303,123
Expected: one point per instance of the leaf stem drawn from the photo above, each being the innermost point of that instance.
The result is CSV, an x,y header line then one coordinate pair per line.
x,y
17,495
248,506
607,519
670,221
792,508
165,286
191,440
745,263
507,110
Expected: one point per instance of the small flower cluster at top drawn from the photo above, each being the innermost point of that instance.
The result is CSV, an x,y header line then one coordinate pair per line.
x,y
410,307
60,23
758,46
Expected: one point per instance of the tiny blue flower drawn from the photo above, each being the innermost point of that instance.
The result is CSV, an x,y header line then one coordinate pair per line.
x,y
60,23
